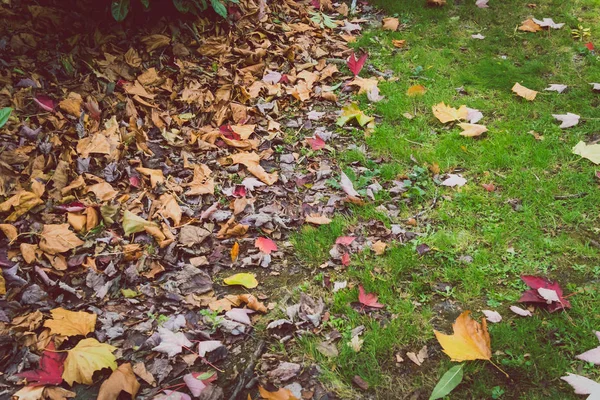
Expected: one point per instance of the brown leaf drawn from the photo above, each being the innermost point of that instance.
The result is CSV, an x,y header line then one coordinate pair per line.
x,y
57,393
9,231
77,221
202,183
253,303
529,26
170,208
156,175
140,370
251,162
155,41
390,24
122,379
399,43
317,219
103,191
72,104
21,202
56,239
379,247
28,251
231,229
525,93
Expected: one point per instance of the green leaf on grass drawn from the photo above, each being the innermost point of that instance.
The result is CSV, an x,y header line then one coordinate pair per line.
x,y
119,9
448,382
4,115
245,279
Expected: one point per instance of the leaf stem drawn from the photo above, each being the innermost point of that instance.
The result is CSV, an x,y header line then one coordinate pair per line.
x,y
498,368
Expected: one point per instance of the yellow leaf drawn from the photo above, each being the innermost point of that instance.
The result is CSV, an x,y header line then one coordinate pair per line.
x,y
10,231
70,323
390,24
529,26
2,284
399,43
447,114
72,104
122,379
21,202
524,92
133,224
58,239
470,341
156,175
470,130
365,84
245,279
281,394
235,251
589,151
87,357
416,90
379,247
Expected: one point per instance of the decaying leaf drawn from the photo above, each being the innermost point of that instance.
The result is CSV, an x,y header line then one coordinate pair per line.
x,y
57,239
85,358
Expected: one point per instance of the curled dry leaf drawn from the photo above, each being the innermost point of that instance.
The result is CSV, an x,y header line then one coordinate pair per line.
x,y
529,26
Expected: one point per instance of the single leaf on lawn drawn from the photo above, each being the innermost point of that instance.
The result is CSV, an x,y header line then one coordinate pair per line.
x,y
51,368
56,239
595,86
70,323
568,120
368,299
379,247
482,3
87,357
555,87
520,311
589,151
593,355
351,112
390,24
171,343
354,65
416,90
244,279
548,23
4,115
450,380
281,394
122,379
529,26
134,224
454,180
525,93
533,295
472,130
478,36
265,245
347,185
447,114
583,385
470,340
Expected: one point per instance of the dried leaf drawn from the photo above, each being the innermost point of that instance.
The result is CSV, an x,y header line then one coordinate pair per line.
x,y
87,357
470,340
122,379
472,130
447,114
525,93
70,323
57,239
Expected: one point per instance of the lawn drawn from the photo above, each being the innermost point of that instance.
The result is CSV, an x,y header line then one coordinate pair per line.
x,y
540,219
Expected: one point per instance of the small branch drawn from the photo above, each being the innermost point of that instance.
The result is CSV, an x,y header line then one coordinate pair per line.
x,y
248,371
570,196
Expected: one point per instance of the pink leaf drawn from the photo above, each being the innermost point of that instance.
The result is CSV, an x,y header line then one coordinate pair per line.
x,y
239,315
45,102
345,240
173,395
316,143
520,311
356,65
593,355
533,296
196,386
582,385
492,316
265,245
488,186
368,299
345,259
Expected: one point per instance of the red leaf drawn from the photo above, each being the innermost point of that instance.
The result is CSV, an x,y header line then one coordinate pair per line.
x,y
134,181
74,206
45,103
532,295
368,299
51,368
590,46
265,245
345,240
239,191
356,65
345,259
489,187
316,143
228,132
315,3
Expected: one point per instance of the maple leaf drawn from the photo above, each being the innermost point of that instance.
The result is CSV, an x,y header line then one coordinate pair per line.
x,y
70,323
529,26
356,65
85,358
470,340
583,385
589,151
171,343
51,368
568,120
368,299
122,379
351,112
447,114
533,295
390,24
265,245
59,238
525,93
593,355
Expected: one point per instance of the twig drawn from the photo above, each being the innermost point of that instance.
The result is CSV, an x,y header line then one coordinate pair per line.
x,y
248,371
570,196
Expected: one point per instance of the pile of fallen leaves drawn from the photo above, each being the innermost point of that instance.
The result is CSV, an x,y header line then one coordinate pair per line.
x,y
145,180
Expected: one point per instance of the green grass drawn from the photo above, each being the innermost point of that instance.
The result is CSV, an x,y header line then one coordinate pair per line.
x,y
544,236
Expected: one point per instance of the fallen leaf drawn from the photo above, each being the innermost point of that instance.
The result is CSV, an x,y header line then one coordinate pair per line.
x,y
352,112
454,180
416,90
197,382
492,316
252,162
470,340
317,219
390,24
316,143
568,120
356,343
265,245
548,23
281,394
472,130
121,380
482,3
57,393
239,315
345,240
419,357
556,88
379,247
72,104
478,36
29,393
583,385
244,279
252,302
525,93
448,382
447,114
171,343
368,299
235,251
592,356
9,231
473,115
70,323
356,65
347,185
85,358
20,203
398,43
57,239
51,368
156,175
595,87
533,295
134,224
529,26
589,151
